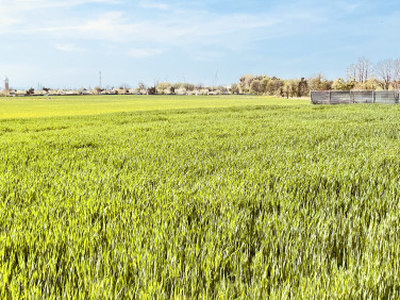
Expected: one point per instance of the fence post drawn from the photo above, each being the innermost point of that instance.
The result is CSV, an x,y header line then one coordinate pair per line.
x,y
373,96
330,97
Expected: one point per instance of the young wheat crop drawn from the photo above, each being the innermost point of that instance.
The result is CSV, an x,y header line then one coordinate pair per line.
x,y
249,202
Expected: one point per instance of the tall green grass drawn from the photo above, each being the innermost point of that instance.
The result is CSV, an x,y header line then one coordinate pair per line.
x,y
61,106
260,201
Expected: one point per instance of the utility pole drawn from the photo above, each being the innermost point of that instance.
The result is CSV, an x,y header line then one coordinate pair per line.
x,y
100,79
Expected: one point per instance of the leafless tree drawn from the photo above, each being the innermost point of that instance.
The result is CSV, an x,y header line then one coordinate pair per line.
x,y
199,86
396,74
141,86
384,71
360,71
352,72
364,67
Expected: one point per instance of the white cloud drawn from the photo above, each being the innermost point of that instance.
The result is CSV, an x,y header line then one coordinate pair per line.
x,y
19,6
151,5
67,47
125,26
7,23
177,30
187,30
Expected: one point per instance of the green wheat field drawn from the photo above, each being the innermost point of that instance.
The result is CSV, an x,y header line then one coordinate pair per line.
x,y
198,197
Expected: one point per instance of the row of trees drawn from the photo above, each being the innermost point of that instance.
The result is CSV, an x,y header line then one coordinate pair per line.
x,y
362,75
248,84
166,88
296,87
384,74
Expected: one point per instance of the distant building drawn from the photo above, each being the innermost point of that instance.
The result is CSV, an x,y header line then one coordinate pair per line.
x,y
6,84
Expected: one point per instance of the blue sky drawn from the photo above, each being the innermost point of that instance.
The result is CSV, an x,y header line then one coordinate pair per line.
x,y
65,43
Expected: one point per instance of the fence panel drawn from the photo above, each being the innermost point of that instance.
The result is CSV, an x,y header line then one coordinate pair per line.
x,y
348,97
340,97
387,97
363,96
320,97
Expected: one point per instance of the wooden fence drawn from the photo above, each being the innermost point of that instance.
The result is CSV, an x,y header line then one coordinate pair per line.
x,y
350,97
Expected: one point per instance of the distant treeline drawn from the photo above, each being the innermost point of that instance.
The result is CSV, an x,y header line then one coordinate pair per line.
x,y
362,75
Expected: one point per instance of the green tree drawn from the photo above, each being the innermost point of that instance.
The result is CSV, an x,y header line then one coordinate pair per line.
x,y
290,87
275,86
30,92
163,87
151,90
256,87
265,82
319,83
302,87
235,88
343,85
245,82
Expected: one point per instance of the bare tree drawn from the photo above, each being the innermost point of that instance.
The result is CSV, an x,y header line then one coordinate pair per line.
x,y
352,72
141,86
364,67
199,86
359,71
396,74
384,71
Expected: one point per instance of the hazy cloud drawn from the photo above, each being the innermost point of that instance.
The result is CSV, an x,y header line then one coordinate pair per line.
x,y
67,47
154,5
144,52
